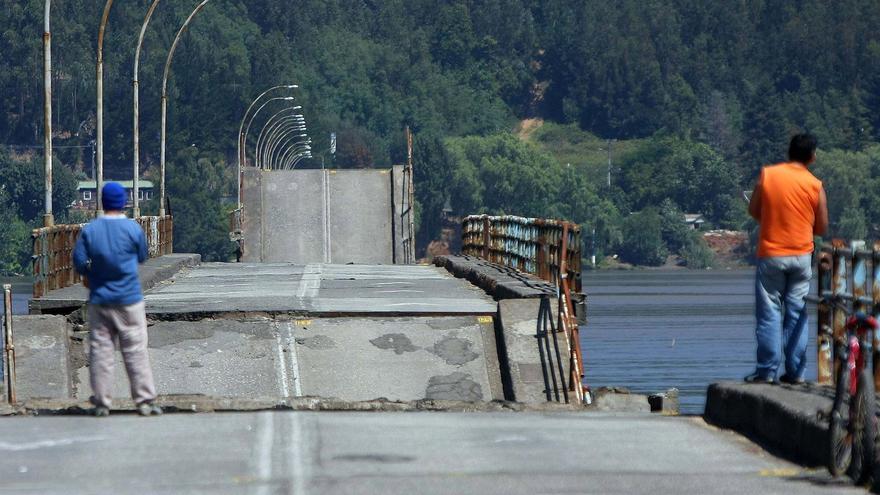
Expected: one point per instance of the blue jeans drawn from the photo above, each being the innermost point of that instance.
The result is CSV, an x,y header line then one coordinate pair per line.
x,y
781,286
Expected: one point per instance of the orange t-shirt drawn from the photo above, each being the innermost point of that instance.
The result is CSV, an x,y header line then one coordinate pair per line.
x,y
789,199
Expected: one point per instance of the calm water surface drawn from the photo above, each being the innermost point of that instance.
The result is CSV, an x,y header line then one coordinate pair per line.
x,y
652,330
22,288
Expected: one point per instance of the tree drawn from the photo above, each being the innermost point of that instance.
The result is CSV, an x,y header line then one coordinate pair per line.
x,y
23,180
198,183
15,246
642,239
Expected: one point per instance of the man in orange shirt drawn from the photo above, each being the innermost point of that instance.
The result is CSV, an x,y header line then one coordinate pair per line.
x,y
789,204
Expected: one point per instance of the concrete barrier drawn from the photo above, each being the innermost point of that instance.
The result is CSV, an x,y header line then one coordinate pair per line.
x,y
42,357
787,420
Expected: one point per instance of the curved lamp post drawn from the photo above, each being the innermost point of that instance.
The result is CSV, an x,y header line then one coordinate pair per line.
x,y
281,138
271,123
278,137
241,128
270,130
279,151
297,158
165,104
136,212
48,218
291,154
99,79
247,129
273,138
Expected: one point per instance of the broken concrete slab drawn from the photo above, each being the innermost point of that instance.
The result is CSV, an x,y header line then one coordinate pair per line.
x,y
619,400
449,358
214,289
452,358
151,273
499,281
41,357
210,357
530,366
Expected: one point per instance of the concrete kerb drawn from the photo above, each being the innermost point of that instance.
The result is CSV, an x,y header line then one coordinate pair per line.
x,y
206,404
790,421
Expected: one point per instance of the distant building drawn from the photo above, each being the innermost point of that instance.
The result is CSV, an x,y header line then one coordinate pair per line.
x,y
694,220
86,193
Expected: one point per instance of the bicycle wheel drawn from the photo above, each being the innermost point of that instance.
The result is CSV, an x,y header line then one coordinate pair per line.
x,y
839,438
863,428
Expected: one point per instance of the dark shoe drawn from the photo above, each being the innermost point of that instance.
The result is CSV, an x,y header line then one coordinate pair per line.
x,y
792,381
101,411
149,409
756,378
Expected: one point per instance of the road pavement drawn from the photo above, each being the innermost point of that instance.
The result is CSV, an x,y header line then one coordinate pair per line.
x,y
391,453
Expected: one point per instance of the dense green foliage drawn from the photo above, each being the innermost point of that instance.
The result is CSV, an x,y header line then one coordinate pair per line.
x,y
697,94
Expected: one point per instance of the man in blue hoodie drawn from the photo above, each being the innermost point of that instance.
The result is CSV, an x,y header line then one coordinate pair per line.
x,y
107,255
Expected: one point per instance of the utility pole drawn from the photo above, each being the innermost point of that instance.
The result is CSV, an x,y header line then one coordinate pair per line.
x,y
48,217
609,161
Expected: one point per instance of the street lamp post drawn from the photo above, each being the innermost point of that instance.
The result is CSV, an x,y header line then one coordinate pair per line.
x,y
275,137
247,128
291,154
278,139
48,218
136,134
283,138
99,79
270,131
165,104
276,119
297,158
241,128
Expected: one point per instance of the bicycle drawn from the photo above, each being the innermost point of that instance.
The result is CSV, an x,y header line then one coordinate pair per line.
x,y
853,422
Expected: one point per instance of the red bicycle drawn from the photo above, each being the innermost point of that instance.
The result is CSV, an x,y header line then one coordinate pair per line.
x,y
853,421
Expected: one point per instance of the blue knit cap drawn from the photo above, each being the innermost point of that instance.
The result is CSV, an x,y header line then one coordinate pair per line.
x,y
113,196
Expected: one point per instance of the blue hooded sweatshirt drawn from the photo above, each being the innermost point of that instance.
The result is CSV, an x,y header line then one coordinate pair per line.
x,y
108,252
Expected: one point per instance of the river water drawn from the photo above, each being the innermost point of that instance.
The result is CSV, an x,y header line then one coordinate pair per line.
x,y
651,330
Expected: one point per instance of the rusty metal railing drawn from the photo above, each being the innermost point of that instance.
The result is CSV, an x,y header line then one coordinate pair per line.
x,y
843,270
530,245
159,232
550,249
52,258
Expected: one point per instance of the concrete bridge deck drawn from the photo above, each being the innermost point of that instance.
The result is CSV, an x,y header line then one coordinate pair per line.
x,y
317,289
354,332
391,453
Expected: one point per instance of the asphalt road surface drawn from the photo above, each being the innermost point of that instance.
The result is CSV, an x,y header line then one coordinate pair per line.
x,y
390,453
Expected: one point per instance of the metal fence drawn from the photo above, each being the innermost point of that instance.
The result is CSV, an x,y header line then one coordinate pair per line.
x,y
52,258
843,271
531,245
550,249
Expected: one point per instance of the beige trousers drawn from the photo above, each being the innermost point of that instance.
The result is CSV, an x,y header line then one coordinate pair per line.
x,y
129,324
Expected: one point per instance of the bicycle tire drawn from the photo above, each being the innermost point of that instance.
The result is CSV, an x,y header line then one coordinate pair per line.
x,y
864,429
839,437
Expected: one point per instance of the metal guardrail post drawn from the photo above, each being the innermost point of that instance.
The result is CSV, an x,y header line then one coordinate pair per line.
x,y
824,341
8,346
838,288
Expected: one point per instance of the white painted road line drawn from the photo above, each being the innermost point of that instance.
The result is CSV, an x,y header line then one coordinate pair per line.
x,y
281,367
265,441
294,365
310,283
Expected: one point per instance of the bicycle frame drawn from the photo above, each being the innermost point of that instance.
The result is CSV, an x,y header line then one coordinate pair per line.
x,y
856,350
